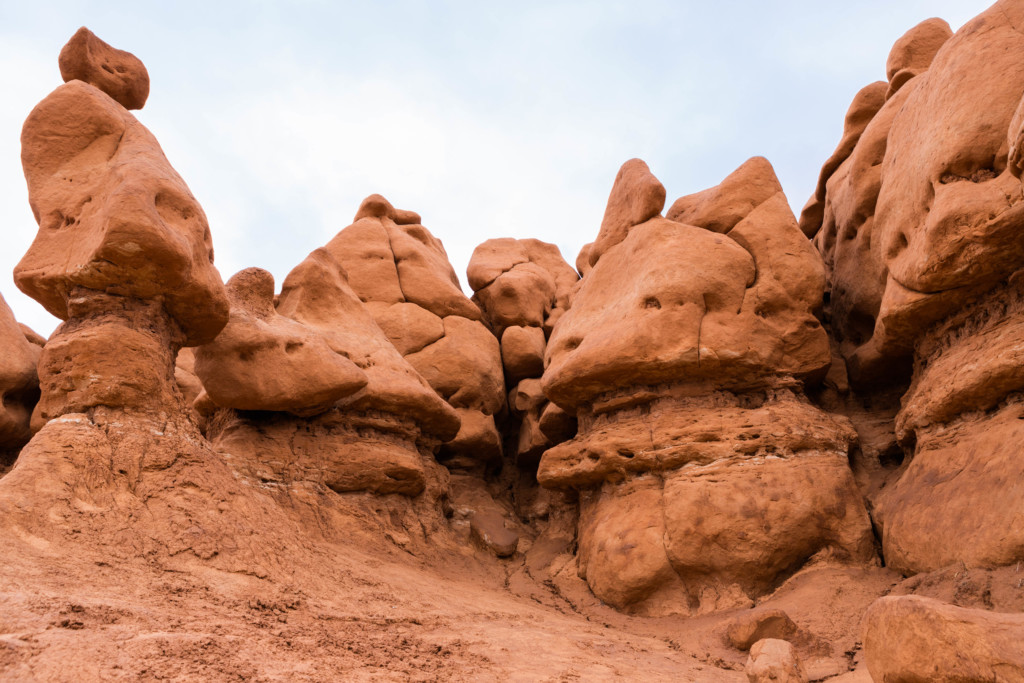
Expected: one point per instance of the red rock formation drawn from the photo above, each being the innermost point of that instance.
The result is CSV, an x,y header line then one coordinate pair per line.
x,y
348,411
919,233
911,638
119,74
705,476
19,386
402,273
523,288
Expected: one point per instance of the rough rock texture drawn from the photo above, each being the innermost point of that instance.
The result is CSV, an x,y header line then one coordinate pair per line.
x,y
918,236
349,412
113,215
524,287
910,638
119,74
681,356
19,385
774,661
402,273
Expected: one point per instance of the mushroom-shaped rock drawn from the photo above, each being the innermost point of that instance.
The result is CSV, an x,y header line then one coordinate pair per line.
x,y
119,74
113,215
264,361
682,356
913,638
402,273
19,384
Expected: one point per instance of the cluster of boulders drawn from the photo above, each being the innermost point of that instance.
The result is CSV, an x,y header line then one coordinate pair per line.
x,y
668,390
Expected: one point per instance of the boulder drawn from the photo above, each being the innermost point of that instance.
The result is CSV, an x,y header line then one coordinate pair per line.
x,y
113,215
774,661
119,74
911,638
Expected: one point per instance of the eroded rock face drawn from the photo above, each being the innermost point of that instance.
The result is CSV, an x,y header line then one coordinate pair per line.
x,y
705,476
19,385
348,411
123,256
911,638
113,215
919,236
401,272
523,288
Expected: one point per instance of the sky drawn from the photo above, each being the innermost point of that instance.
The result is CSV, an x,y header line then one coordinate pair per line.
x,y
488,119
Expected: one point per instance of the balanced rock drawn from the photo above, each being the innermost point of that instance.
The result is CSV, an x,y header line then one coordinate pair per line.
x,y
119,74
705,476
124,257
401,272
912,638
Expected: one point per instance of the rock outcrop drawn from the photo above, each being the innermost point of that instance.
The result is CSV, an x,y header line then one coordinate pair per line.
x,y
705,476
124,257
314,391
919,234
19,386
910,638
523,288
401,272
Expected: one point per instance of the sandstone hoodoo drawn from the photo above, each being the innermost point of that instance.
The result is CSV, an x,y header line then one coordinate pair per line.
x,y
729,446
919,232
314,391
401,272
706,477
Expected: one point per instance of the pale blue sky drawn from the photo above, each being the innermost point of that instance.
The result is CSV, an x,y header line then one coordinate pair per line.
x,y
489,119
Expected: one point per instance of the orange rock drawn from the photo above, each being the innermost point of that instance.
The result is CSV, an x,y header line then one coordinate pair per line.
x,y
316,294
522,352
774,661
705,476
113,215
636,197
913,53
720,208
394,264
264,361
865,105
119,74
912,638
19,384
